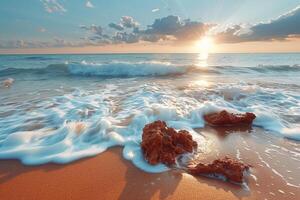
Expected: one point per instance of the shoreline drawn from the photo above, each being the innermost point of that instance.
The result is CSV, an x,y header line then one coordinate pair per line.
x,y
109,176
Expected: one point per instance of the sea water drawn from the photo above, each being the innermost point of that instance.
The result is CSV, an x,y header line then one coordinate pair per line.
x,y
61,108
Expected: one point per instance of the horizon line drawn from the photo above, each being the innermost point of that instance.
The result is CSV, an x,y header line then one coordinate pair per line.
x,y
111,53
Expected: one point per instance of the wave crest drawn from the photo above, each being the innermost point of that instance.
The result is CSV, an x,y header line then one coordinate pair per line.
x,y
124,69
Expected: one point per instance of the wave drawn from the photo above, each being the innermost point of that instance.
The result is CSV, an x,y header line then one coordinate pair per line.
x,y
59,69
276,68
151,68
124,69
114,69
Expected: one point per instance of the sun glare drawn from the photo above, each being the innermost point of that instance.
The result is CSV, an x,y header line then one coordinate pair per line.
x,y
205,45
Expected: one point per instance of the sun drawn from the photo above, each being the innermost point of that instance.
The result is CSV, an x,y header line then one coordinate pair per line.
x,y
205,46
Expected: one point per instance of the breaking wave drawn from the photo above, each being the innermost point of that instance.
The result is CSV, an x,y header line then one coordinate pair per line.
x,y
151,68
114,69
120,69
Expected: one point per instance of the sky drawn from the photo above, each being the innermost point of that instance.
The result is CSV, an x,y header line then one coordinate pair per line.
x,y
133,26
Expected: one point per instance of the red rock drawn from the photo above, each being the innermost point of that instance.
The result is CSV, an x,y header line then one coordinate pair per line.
x,y
231,169
162,144
225,118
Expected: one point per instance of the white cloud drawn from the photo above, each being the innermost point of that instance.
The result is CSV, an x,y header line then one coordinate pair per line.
x,y
155,10
52,6
89,4
129,22
125,22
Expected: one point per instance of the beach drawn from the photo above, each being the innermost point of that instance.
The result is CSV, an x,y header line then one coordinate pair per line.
x,y
71,125
106,176
149,100
109,176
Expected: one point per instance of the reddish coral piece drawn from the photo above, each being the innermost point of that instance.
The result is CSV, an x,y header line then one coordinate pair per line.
x,y
162,144
225,118
233,170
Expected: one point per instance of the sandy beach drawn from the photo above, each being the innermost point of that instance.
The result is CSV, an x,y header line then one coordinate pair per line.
x,y
110,176
107,176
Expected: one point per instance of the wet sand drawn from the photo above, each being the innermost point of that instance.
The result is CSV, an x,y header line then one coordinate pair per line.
x,y
109,176
106,176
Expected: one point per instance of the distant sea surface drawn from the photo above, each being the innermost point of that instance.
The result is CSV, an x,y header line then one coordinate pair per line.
x,y
65,107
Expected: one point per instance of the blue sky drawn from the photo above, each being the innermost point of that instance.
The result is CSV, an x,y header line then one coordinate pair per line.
x,y
66,22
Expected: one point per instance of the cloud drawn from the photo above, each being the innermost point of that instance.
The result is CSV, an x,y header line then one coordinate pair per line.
x,y
95,35
155,10
54,42
125,22
118,27
181,30
89,4
281,28
170,28
125,37
98,30
166,28
52,6
166,25
129,22
60,42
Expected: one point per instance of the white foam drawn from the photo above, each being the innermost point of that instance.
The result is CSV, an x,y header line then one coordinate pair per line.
x,y
268,121
133,153
265,103
79,136
82,123
292,133
238,90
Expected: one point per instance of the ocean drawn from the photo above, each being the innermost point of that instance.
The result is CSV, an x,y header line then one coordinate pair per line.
x,y
61,108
